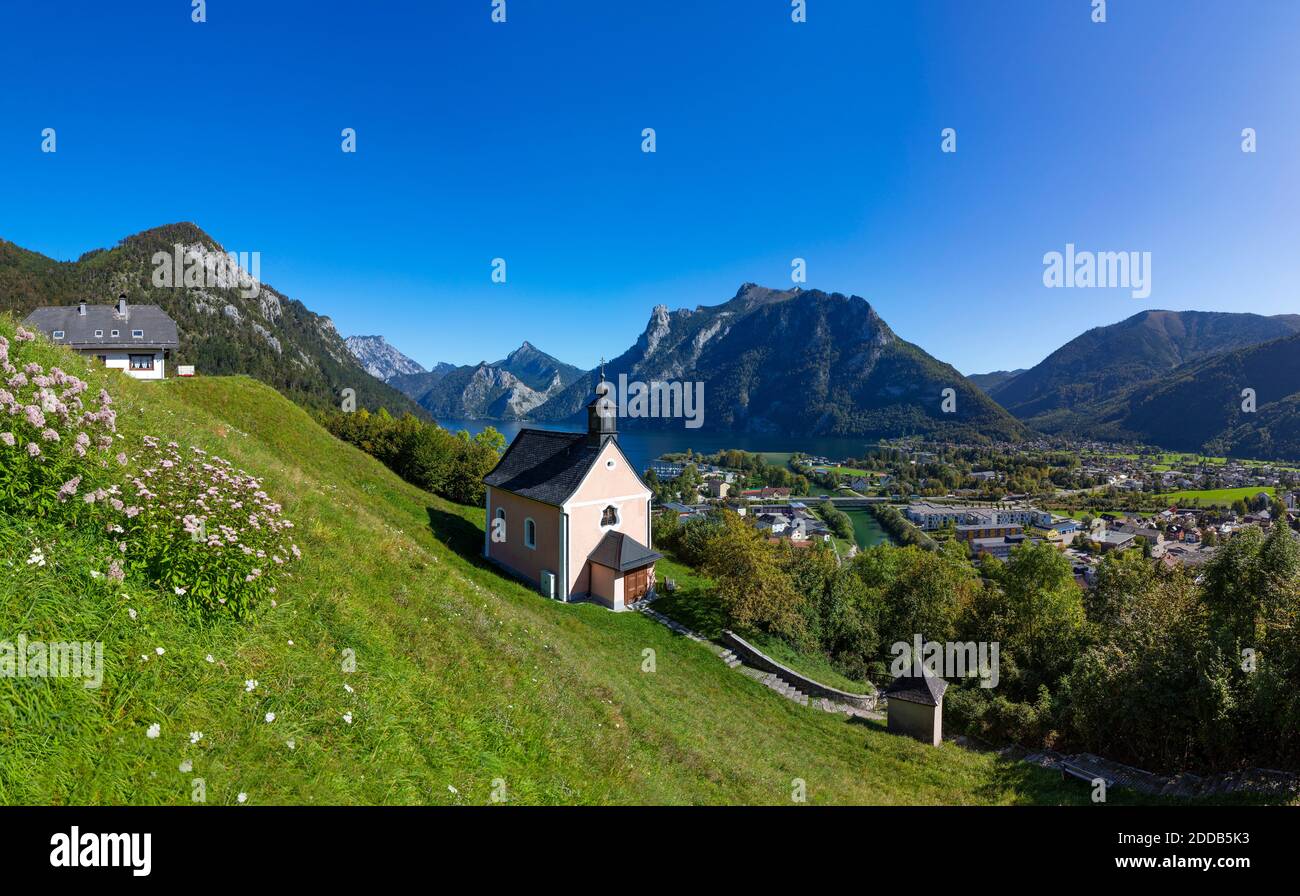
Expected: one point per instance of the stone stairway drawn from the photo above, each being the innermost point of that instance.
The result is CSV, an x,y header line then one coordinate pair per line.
x,y
768,679
790,692
782,687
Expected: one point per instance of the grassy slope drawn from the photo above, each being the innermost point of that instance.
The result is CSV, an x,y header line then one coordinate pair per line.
x,y
463,677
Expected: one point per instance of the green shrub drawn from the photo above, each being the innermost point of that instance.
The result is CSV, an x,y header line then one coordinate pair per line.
x,y
424,454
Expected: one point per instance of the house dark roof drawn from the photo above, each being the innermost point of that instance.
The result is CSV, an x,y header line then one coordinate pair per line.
x,y
545,466
618,550
79,329
924,689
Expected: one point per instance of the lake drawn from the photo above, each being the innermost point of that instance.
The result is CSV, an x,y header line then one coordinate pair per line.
x,y
642,447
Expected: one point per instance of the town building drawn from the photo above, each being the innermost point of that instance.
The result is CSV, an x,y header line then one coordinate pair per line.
x,y
929,515
981,531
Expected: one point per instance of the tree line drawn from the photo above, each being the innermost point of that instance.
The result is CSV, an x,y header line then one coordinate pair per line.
x,y
1162,668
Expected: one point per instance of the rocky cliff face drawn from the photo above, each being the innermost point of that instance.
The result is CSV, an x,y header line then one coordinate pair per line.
x,y
509,389
380,359
800,362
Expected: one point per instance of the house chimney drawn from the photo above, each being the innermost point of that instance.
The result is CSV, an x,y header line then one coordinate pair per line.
x,y
121,305
81,308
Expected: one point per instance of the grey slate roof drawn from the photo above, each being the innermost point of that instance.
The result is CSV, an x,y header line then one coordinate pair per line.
x,y
542,465
79,329
618,550
924,689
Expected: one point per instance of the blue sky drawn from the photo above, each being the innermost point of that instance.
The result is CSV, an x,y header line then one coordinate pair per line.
x,y
776,140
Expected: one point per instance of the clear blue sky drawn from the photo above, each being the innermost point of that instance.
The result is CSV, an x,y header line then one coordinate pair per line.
x,y
775,140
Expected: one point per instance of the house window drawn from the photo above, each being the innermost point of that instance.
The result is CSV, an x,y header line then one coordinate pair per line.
x,y
58,334
609,516
142,362
530,534
99,334
499,527
115,334
137,334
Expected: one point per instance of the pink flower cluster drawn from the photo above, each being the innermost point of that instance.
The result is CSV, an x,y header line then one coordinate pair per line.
x,y
193,525
53,437
197,523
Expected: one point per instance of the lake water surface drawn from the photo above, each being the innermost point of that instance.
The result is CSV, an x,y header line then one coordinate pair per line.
x,y
642,447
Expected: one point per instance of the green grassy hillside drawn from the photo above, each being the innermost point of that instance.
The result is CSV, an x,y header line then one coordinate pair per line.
x,y
464,681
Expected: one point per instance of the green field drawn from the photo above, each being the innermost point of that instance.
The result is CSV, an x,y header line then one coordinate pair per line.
x,y
1220,497
844,471
466,682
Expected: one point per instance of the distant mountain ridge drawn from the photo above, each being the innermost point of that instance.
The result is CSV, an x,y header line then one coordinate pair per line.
x,y
1199,406
268,336
1064,393
509,389
380,359
799,362
988,381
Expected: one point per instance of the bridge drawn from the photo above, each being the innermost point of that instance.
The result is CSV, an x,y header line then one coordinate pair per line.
x,y
855,501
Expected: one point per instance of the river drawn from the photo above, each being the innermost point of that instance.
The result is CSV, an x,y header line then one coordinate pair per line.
x,y
866,530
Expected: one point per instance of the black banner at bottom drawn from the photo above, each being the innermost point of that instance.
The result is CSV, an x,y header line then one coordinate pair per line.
x,y
213,845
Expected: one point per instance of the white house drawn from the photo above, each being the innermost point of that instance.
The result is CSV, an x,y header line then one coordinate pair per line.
x,y
136,339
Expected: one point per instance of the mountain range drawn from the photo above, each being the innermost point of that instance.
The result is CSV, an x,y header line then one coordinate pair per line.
x,y
1067,390
267,336
791,361
773,361
509,389
987,381
1201,406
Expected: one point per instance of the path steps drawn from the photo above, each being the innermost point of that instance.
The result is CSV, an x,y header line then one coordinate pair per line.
x,y
768,679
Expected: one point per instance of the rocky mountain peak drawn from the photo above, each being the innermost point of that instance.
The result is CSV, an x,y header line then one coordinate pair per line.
x,y
379,358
